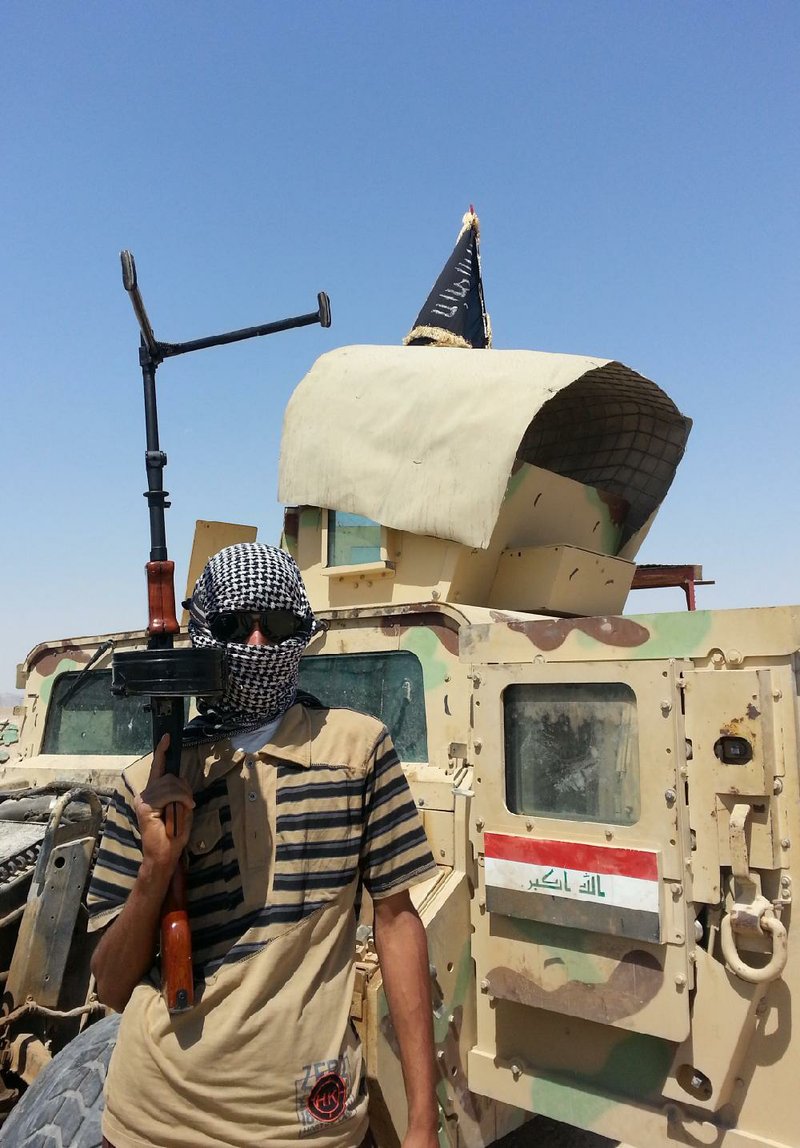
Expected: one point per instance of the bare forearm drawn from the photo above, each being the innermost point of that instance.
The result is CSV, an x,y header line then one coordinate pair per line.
x,y
403,953
127,948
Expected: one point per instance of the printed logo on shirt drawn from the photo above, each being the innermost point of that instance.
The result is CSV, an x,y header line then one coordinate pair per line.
x,y
323,1094
327,1099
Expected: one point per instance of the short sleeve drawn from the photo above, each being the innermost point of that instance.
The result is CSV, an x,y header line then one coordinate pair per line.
x,y
394,853
118,860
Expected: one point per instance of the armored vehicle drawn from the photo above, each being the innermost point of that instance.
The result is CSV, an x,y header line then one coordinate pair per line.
x,y
612,799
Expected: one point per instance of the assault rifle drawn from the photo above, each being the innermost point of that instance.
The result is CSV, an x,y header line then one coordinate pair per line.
x,y
168,676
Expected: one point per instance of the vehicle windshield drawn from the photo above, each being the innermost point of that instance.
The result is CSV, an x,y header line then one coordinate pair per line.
x,y
95,721
387,685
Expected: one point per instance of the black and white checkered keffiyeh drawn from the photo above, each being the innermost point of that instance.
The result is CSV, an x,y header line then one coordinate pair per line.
x,y
262,680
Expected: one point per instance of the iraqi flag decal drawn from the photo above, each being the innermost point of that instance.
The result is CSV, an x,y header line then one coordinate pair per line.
x,y
599,888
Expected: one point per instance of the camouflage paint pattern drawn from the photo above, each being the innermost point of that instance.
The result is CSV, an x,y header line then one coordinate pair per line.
x,y
553,1010
719,637
9,733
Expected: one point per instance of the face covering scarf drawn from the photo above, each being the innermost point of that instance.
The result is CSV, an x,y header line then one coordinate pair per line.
x,y
262,680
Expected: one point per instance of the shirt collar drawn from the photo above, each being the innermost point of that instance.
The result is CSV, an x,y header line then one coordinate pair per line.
x,y
291,742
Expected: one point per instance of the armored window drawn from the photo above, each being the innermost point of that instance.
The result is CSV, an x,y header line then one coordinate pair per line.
x,y
93,720
572,751
353,540
388,686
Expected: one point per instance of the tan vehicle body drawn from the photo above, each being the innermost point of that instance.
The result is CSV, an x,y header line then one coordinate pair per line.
x,y
650,1004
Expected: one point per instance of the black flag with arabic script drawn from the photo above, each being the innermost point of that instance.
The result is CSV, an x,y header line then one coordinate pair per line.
x,y
454,314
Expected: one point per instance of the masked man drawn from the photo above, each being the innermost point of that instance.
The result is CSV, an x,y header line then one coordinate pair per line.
x,y
287,808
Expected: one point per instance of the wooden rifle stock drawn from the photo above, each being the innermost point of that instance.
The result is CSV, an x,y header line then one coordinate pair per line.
x,y
177,981
177,978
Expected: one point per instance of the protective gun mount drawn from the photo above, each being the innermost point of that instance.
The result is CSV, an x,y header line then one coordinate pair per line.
x,y
164,674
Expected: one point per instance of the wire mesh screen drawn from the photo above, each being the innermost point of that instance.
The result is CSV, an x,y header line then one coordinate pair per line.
x,y
614,430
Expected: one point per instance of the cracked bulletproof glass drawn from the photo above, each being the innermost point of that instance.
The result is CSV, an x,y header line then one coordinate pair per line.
x,y
572,751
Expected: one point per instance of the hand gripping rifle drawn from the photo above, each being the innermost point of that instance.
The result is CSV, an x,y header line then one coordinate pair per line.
x,y
161,672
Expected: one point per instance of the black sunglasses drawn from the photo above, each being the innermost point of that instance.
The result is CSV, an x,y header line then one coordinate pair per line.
x,y
238,625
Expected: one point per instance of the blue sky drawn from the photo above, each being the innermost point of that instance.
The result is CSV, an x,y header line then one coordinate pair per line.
x,y
635,168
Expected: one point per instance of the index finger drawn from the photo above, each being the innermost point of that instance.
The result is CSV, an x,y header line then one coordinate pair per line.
x,y
159,765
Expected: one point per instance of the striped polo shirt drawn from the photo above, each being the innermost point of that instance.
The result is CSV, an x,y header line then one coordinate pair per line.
x,y
276,834
282,840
